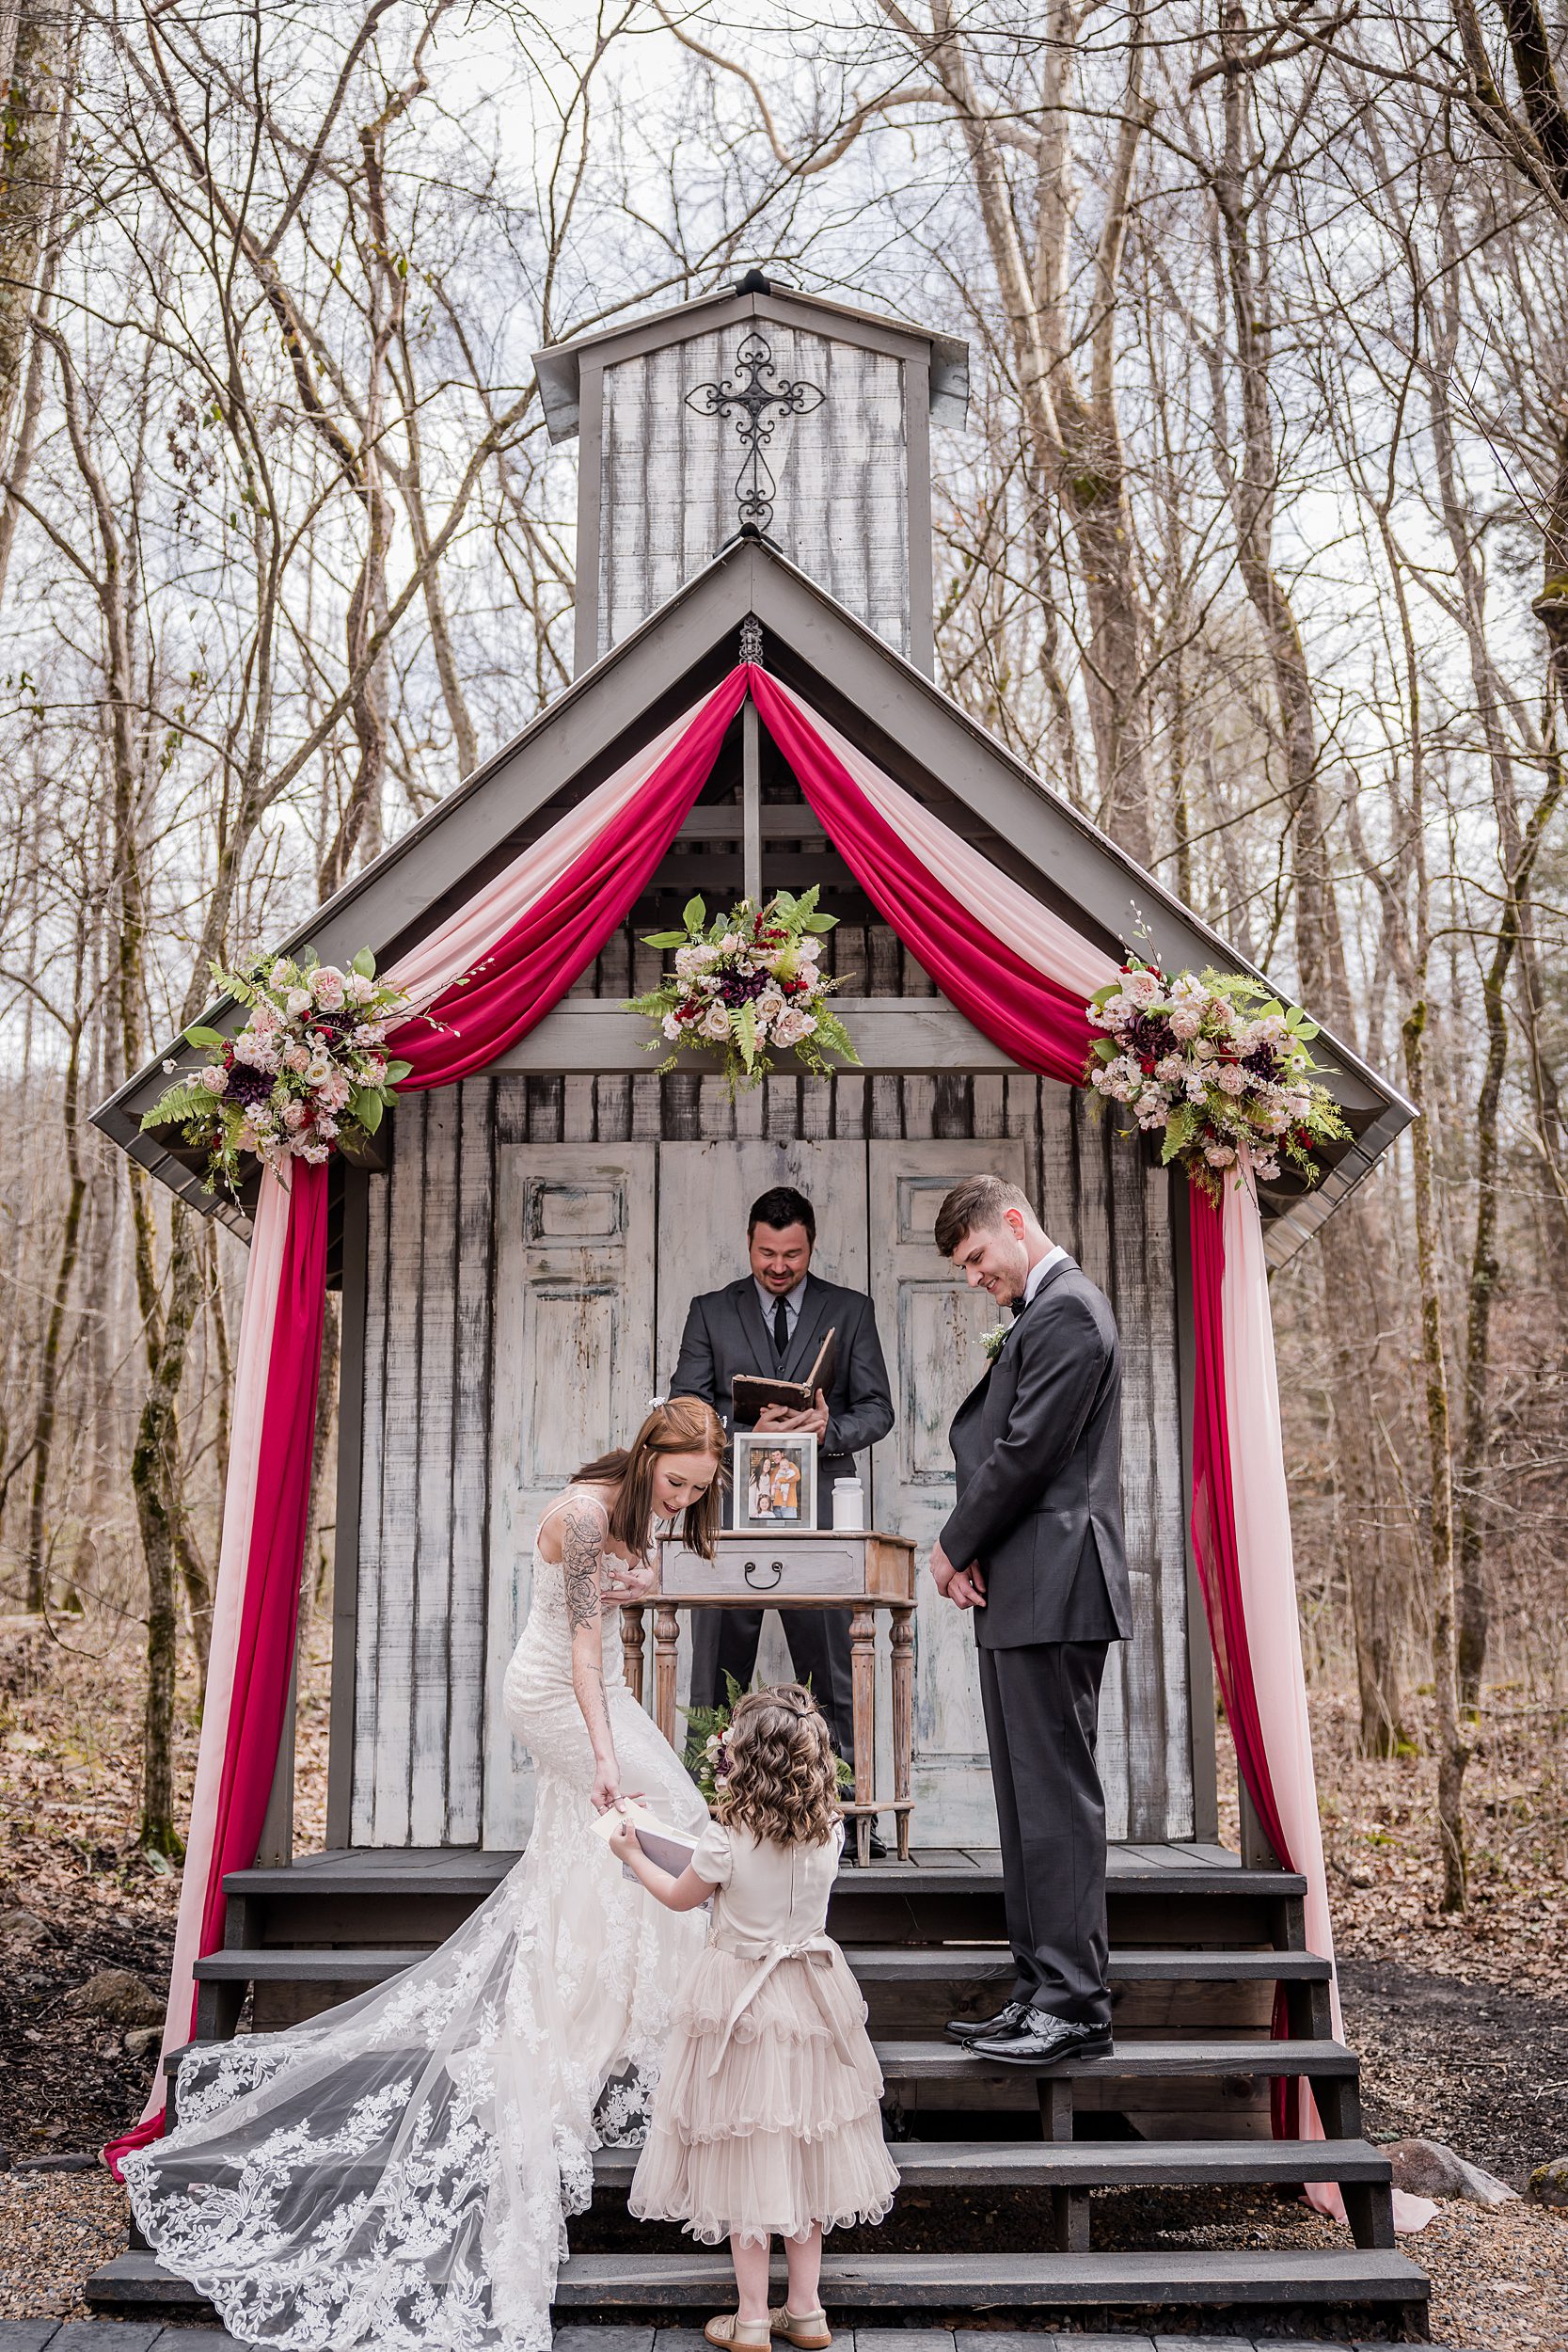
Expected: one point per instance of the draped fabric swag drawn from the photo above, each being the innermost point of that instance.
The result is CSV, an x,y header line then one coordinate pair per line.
x,y
484,980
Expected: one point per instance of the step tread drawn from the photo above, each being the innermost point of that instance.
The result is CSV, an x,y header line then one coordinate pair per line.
x,y
1054,2164
1164,2275
414,1870
927,2062
915,2061
1100,2164
280,1963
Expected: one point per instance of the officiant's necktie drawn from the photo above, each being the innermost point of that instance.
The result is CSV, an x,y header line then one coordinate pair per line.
x,y
780,1331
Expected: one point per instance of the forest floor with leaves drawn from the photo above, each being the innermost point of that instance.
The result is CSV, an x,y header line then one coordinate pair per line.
x,y
1462,2021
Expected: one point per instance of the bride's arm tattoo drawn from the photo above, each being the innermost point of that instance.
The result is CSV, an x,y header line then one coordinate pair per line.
x,y
582,1547
582,1539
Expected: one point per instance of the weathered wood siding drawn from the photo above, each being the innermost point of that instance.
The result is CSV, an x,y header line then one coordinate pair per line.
x,y
465,1247
668,474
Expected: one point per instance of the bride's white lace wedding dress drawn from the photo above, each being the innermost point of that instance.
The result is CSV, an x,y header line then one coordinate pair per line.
x,y
397,2172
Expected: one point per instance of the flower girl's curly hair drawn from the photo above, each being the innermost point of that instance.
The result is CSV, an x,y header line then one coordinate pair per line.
x,y
781,1779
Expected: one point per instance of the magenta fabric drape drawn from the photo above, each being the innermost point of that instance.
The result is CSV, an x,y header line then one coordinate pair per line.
x,y
1041,1024
527,971
1218,1555
530,967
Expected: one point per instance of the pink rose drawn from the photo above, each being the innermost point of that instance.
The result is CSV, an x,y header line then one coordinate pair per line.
x,y
214,1078
297,1003
326,987
293,1116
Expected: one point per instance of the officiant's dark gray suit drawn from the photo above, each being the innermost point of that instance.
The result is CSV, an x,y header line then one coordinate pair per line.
x,y
725,1334
1037,1451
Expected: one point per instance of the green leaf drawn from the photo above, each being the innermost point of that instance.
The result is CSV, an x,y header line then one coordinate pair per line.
x,y
1305,1029
665,939
746,1034
1106,1049
397,1070
213,1040
694,914
1179,1127
821,922
369,1118
364,963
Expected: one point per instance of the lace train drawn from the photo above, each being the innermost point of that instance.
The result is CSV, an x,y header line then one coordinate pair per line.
x,y
399,2171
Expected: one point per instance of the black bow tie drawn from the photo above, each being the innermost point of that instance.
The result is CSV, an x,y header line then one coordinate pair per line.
x,y
1018,1304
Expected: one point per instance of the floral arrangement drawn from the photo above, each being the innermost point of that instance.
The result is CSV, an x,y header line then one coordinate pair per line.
x,y
1216,1066
749,981
706,1756
306,1076
992,1341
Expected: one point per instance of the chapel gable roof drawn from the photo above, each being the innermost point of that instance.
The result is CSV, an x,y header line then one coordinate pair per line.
x,y
895,713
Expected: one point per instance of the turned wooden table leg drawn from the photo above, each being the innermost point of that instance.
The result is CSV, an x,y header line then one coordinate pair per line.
x,y
631,1649
862,1665
666,1640
902,1637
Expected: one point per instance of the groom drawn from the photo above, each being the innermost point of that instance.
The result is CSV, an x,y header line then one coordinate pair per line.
x,y
1034,1546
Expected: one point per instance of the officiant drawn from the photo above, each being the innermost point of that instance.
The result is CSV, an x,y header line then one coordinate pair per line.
x,y
772,1322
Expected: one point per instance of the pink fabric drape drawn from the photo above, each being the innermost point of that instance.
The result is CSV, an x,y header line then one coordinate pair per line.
x,y
976,932
536,948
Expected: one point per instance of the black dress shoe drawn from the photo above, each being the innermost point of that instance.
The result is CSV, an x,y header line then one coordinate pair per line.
x,y
1039,2040
1010,2016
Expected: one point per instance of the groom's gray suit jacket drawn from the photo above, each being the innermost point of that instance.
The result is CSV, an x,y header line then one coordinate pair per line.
x,y
1036,1447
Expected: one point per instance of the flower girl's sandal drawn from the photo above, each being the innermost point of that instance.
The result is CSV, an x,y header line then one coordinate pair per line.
x,y
808,2331
739,2335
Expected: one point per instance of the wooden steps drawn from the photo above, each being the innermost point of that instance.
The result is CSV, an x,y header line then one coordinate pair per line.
x,y
1385,2287
1201,1946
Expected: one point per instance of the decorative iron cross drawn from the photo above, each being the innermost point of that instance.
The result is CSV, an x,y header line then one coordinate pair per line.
x,y
754,487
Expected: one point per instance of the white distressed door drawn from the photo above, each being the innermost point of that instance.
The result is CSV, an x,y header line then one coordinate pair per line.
x,y
933,1326
707,1189
574,1369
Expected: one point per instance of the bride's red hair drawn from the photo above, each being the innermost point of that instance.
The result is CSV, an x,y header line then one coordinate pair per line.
x,y
679,1425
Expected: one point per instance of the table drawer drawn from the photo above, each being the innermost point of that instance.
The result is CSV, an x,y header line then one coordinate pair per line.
x,y
767,1568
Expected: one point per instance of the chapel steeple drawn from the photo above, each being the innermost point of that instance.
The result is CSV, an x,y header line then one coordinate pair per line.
x,y
756,408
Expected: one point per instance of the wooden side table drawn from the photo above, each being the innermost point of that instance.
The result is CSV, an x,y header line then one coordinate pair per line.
x,y
814,1568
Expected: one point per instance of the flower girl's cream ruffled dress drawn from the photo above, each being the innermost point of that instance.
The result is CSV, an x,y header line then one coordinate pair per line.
x,y
768,2115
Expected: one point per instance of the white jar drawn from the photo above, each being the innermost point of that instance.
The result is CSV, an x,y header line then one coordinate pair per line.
x,y
848,1504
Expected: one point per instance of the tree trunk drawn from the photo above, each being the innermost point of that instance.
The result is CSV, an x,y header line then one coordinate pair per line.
x,y
154,1483
49,1355
1452,1754
32,95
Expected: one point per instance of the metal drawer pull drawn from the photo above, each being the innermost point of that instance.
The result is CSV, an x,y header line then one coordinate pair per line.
x,y
752,1575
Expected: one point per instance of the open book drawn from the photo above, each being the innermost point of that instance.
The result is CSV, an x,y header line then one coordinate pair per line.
x,y
751,1391
670,1849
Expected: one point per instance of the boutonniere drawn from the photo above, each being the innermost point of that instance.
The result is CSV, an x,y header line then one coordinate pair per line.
x,y
992,1341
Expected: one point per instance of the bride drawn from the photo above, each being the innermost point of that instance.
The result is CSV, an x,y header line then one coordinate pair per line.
x,y
397,2172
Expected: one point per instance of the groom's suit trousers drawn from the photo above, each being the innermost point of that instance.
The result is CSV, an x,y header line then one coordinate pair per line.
x,y
1042,1707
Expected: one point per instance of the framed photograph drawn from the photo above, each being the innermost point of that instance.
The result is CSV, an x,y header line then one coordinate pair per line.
x,y
775,1479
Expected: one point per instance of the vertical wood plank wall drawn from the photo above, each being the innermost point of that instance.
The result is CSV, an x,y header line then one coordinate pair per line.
x,y
434,1261
667,478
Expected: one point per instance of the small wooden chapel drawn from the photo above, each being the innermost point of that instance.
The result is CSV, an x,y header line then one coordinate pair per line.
x,y
755,482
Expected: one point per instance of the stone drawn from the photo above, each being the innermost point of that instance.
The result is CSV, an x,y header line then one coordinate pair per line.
x,y
143,2040
22,1932
118,1996
1548,2182
1426,2167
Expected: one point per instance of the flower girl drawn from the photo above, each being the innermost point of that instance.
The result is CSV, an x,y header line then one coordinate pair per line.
x,y
767,2120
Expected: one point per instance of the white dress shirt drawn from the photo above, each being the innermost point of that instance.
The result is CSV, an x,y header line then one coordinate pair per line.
x,y
1037,1273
